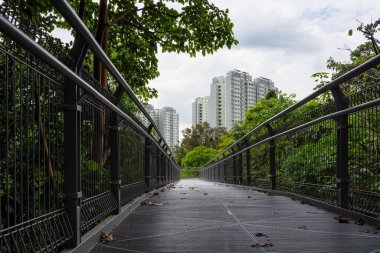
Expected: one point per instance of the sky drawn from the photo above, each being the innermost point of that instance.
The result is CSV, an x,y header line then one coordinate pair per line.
x,y
283,40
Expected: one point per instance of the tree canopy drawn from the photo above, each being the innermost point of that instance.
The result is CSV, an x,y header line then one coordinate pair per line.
x,y
132,32
198,156
200,135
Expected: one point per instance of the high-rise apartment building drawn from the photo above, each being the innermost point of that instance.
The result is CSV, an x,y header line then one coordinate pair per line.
x,y
200,110
168,125
240,94
263,86
217,102
231,96
167,121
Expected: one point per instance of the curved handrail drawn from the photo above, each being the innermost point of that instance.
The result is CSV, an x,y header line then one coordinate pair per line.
x,y
338,81
21,38
77,24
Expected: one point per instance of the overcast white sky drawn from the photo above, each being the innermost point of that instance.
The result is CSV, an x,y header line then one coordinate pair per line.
x,y
284,40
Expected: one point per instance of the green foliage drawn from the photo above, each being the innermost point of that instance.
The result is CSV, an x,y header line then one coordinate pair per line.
x,y
265,109
200,135
198,156
188,174
359,55
139,29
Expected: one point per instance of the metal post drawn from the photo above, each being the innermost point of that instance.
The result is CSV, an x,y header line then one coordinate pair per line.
x,y
342,173
240,168
158,160
166,170
115,160
147,162
234,169
72,146
218,172
225,171
248,166
272,158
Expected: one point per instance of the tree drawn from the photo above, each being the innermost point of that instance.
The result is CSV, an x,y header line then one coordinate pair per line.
x,y
359,55
201,135
132,32
265,109
198,156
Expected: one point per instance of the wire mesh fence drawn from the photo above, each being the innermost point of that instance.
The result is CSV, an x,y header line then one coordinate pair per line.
x,y
57,157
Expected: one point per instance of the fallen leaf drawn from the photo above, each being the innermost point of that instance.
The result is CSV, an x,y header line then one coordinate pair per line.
x,y
261,235
155,193
249,197
343,219
105,238
263,245
162,190
205,193
302,227
148,203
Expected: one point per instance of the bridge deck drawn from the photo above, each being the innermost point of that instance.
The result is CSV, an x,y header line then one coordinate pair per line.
x,y
198,216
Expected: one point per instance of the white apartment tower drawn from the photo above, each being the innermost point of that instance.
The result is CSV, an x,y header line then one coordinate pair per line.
x,y
166,120
240,94
263,86
217,102
231,96
168,125
200,110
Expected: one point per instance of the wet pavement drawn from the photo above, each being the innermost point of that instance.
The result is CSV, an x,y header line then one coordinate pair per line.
x,y
198,216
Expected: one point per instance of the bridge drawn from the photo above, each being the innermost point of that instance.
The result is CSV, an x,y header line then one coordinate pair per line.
x,y
81,172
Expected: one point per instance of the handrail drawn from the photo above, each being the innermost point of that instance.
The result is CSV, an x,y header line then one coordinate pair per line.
x,y
338,81
77,24
360,107
21,38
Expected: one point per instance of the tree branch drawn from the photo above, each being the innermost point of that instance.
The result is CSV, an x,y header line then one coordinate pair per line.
x,y
134,10
125,14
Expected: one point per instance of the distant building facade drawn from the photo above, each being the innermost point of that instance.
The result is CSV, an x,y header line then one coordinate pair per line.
x,y
167,121
217,102
168,125
200,110
231,96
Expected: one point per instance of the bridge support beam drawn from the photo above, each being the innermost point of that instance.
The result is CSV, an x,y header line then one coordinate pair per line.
x,y
342,173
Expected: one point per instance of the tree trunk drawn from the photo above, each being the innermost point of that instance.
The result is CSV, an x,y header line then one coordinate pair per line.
x,y
100,74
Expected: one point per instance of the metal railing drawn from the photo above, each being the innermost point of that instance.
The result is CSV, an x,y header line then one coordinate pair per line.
x,y
327,150
71,154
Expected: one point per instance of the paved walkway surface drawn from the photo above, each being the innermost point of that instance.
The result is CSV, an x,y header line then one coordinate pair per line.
x,y
198,216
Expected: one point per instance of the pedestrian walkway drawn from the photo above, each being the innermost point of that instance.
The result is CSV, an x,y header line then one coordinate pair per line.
x,y
198,216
